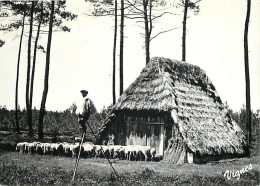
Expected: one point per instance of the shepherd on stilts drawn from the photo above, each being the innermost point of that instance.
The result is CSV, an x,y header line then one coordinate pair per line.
x,y
83,113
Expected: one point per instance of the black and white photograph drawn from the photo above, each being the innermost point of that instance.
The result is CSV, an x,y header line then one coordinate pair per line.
x,y
130,92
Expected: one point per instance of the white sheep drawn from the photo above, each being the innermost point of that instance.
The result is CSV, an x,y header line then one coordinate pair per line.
x,y
39,148
21,146
47,148
152,153
119,152
88,150
138,152
130,152
74,149
97,150
105,151
147,152
66,148
56,148
111,150
31,147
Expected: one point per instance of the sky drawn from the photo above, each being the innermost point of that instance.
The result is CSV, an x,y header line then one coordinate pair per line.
x,y
82,58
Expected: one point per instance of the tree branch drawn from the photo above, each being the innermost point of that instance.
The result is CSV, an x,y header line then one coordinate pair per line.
x,y
162,32
197,1
155,17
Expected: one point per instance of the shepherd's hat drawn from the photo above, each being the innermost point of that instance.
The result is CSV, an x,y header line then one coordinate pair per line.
x,y
84,91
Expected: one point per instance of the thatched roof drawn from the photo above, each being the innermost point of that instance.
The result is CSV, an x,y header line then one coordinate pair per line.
x,y
185,91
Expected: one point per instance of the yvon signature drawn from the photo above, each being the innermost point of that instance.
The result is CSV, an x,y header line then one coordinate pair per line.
x,y
236,174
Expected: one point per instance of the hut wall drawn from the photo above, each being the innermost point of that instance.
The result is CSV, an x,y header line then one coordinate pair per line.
x,y
146,130
169,130
109,137
141,128
114,134
120,132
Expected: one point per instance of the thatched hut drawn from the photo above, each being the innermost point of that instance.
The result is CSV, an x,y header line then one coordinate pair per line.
x,y
174,107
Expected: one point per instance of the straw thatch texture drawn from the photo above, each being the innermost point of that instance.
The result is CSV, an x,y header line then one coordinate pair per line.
x,y
185,91
204,123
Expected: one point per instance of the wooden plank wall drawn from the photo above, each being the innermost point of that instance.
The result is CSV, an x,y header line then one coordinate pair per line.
x,y
145,131
121,130
139,129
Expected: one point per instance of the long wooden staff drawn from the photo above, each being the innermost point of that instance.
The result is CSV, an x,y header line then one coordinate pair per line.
x,y
77,160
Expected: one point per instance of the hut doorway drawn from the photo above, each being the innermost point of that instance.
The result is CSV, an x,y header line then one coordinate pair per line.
x,y
145,131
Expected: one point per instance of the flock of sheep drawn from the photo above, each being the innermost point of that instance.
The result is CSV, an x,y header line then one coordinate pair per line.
x,y
89,150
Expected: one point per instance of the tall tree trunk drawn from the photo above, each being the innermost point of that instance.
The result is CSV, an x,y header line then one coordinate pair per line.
x,y
150,25
46,78
247,75
184,30
114,57
147,35
17,78
121,69
34,56
28,107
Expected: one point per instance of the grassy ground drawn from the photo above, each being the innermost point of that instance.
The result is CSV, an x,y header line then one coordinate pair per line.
x,y
21,169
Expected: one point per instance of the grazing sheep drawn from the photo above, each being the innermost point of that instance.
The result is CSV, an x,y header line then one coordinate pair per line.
x,y
56,148
39,148
88,150
138,152
21,146
143,152
32,147
111,149
119,152
105,151
26,147
97,150
47,148
130,152
66,149
152,153
74,149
